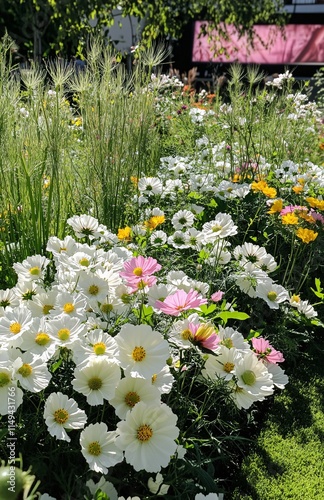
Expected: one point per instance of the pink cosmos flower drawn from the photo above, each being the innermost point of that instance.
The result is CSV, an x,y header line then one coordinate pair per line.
x,y
291,208
217,296
180,301
316,216
265,351
139,268
206,337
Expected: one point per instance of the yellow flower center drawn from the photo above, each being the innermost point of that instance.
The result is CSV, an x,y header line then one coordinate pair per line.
x,y
68,307
25,370
272,296
248,377
34,271
154,377
61,416
42,338
216,228
186,334
4,379
94,383
99,348
138,271
63,334
138,353
93,290
144,433
106,308
227,343
94,448
132,398
84,262
228,367
47,308
15,328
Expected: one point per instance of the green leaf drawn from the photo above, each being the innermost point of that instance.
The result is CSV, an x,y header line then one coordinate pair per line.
x,y
56,365
226,315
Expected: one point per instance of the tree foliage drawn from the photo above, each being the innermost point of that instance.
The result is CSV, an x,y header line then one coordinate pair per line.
x,y
48,27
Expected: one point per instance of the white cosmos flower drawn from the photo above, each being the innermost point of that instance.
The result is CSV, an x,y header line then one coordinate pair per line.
x,y
222,365
96,343
178,240
182,219
104,486
163,380
67,246
11,396
304,307
32,268
231,338
179,280
97,380
221,227
273,294
31,372
159,292
142,351
279,378
26,290
130,391
150,185
158,238
42,303
37,341
84,225
252,377
69,304
65,330
94,287
248,278
156,485
62,413
8,298
147,436
98,447
249,253
13,324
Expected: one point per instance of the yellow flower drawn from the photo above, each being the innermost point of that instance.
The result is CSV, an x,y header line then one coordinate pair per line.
x,y
124,233
307,218
269,192
134,180
315,203
306,235
154,221
289,218
276,207
259,186
295,299
298,189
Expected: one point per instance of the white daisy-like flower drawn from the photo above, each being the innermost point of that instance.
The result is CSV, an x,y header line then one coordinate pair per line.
x,y
250,253
156,485
62,413
253,376
163,380
13,324
112,305
172,188
65,330
178,240
37,341
158,238
26,290
231,338
159,292
66,246
182,219
178,279
142,351
70,304
98,447
249,277
94,287
273,294
11,396
222,365
221,227
304,307
104,486
8,298
147,436
32,268
84,225
31,372
42,303
150,185
279,378
209,496
96,343
130,391
97,380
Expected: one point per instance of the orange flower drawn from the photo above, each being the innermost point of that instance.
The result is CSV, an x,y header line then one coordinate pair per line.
x,y
154,221
298,189
306,235
269,192
315,203
259,186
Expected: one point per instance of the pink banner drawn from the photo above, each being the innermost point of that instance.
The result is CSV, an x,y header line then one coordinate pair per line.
x,y
302,44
